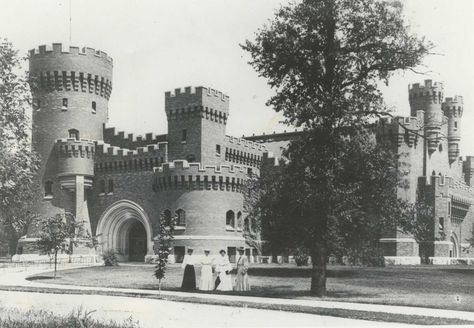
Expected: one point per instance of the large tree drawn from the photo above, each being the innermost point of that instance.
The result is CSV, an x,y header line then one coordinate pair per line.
x,y
325,60
18,163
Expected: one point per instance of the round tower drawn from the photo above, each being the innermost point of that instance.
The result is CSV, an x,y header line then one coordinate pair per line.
x,y
453,109
428,98
70,88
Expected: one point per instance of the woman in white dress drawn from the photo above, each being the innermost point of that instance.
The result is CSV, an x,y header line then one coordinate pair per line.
x,y
223,269
207,282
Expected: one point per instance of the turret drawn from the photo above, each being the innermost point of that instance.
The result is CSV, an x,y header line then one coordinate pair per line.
x,y
197,118
453,109
70,88
428,98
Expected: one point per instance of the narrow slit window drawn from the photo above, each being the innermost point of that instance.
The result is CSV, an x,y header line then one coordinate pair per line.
x,y
111,186
65,103
184,135
94,107
218,150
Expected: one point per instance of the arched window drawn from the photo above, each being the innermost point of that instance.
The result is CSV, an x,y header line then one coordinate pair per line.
x,y
181,214
74,134
166,216
246,224
111,186
48,189
230,219
239,219
102,187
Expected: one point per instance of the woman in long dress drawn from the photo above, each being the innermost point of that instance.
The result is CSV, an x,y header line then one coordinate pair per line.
x,y
207,282
242,281
223,269
189,277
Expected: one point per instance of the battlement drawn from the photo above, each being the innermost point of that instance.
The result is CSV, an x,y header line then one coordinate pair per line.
x,y
130,140
450,186
401,129
112,158
192,176
197,91
56,49
453,106
428,86
71,147
245,143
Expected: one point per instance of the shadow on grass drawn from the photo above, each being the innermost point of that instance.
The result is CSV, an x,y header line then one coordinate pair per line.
x,y
301,272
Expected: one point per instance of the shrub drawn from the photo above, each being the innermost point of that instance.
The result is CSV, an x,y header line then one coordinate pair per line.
x,y
110,257
301,257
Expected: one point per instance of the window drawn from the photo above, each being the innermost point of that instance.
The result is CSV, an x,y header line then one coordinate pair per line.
x,y
441,224
166,216
191,158
218,150
94,107
102,187
48,189
65,103
74,134
449,208
111,186
181,214
184,135
230,219
239,220
455,125
246,224
249,171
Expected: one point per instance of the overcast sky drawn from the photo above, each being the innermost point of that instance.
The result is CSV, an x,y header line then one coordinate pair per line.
x,y
160,45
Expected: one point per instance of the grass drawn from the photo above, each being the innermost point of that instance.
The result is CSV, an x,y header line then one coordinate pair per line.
x,y
12,318
426,286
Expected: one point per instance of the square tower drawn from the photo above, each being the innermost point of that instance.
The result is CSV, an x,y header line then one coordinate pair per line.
x,y
197,119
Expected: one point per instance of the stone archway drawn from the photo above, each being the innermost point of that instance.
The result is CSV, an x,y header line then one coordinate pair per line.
x,y
120,224
454,247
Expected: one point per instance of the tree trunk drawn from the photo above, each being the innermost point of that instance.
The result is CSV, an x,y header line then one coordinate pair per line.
x,y
318,272
12,244
55,262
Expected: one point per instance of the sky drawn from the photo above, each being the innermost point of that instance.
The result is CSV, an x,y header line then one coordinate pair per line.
x,y
158,46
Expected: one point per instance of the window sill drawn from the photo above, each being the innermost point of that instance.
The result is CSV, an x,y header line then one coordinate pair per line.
x,y
102,194
239,230
183,142
229,228
64,109
179,228
48,197
110,193
94,112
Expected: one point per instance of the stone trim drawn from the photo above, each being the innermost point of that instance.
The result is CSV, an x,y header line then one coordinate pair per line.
x,y
200,237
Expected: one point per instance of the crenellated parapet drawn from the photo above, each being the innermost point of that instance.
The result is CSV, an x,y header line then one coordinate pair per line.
x,y
74,158
115,159
401,130
193,176
86,70
201,102
130,140
428,98
453,109
244,152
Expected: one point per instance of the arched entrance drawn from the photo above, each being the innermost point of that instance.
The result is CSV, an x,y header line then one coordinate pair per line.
x,y
125,228
453,249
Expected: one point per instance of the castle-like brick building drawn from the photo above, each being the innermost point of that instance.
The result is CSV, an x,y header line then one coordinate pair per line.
x,y
119,185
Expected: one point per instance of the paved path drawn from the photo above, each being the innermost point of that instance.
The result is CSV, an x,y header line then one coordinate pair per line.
x,y
147,310
157,313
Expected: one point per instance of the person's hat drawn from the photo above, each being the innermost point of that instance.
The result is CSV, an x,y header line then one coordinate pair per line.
x,y
190,249
207,250
222,251
241,249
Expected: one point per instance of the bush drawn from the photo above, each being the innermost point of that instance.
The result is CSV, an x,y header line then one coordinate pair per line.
x,y
110,257
301,258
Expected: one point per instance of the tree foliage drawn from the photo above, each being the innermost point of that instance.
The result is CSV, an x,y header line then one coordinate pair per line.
x,y
164,238
325,60
59,234
18,163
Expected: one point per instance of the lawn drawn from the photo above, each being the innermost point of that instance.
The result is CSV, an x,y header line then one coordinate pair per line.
x,y
427,286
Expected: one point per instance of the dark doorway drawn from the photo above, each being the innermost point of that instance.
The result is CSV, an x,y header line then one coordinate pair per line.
x,y
232,251
137,243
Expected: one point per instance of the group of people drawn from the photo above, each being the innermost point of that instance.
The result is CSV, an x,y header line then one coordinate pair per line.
x,y
219,264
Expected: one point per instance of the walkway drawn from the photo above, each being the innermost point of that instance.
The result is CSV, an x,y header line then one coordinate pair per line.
x,y
146,310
